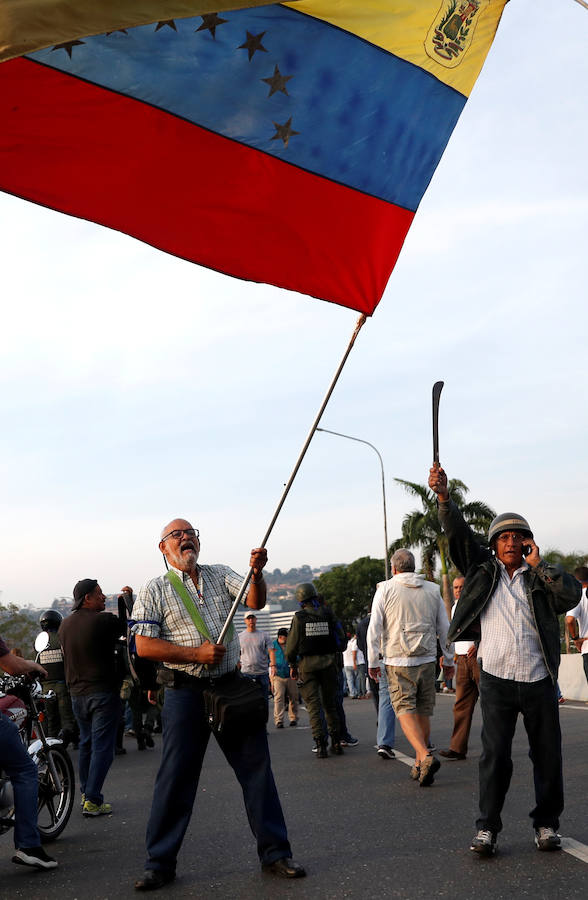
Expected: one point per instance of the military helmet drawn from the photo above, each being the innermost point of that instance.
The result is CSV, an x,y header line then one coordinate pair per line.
x,y
305,593
508,522
50,620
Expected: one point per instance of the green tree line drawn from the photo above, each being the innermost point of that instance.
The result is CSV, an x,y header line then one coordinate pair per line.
x,y
19,628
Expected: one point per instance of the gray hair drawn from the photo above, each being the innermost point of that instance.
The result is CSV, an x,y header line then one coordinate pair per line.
x,y
403,561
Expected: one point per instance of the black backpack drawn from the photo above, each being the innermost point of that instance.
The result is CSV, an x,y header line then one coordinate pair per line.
x,y
143,672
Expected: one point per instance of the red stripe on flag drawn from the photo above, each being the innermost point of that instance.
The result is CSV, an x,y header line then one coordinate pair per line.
x,y
83,150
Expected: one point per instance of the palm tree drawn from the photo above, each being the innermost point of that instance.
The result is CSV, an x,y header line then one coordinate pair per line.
x,y
422,528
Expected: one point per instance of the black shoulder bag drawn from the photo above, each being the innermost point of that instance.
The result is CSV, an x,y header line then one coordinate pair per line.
x,y
234,704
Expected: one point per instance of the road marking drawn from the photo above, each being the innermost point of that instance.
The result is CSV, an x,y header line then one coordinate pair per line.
x,y
575,848
404,759
571,846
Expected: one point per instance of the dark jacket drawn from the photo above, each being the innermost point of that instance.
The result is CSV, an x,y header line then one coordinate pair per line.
x,y
312,633
52,658
550,591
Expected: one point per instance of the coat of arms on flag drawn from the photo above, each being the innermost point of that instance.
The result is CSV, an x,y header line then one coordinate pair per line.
x,y
452,32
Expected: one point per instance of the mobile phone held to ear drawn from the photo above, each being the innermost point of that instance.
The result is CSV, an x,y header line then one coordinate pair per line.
x,y
526,549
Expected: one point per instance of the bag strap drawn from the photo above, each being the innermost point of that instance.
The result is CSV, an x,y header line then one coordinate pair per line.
x,y
199,623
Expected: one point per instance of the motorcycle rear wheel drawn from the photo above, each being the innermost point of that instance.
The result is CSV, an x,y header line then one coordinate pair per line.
x,y
55,809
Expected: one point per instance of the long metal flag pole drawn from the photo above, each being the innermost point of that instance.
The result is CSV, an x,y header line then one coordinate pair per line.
x,y
314,426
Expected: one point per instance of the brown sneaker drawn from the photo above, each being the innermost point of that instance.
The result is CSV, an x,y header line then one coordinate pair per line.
x,y
429,766
415,772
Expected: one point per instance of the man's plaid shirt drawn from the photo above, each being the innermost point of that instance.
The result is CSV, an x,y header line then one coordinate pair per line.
x,y
159,604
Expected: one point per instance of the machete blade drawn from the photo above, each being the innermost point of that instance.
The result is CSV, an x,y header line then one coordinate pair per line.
x,y
437,388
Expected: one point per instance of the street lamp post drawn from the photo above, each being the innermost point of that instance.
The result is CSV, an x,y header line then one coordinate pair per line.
x,y
361,441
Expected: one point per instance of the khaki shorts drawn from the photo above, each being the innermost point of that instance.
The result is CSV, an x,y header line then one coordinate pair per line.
x,y
412,688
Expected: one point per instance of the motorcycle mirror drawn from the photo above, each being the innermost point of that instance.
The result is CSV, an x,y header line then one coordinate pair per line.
x,y
41,641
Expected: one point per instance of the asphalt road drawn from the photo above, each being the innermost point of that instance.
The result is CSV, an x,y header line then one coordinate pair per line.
x,y
358,823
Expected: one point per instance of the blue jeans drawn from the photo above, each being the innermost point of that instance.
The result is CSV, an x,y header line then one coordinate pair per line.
x,y
351,676
185,738
501,701
98,717
22,772
386,717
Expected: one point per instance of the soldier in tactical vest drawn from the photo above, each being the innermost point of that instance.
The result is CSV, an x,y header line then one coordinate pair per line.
x,y
60,718
310,650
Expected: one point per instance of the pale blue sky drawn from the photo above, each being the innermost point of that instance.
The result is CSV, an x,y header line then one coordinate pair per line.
x,y
137,387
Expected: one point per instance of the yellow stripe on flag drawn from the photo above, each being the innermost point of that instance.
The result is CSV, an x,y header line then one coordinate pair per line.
x,y
448,38
28,25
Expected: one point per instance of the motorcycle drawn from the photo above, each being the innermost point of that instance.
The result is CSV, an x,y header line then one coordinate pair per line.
x,y
22,699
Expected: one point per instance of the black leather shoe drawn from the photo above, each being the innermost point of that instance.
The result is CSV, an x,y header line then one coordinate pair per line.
x,y
286,868
153,879
321,750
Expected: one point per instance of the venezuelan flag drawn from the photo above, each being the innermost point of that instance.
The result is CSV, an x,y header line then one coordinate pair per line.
x,y
287,143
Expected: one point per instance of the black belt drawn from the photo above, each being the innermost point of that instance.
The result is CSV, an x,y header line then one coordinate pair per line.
x,y
183,680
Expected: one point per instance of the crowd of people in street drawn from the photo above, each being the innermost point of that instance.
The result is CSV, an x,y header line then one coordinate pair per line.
x,y
501,647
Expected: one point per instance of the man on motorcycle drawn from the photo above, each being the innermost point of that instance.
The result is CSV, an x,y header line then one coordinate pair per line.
x,y
22,771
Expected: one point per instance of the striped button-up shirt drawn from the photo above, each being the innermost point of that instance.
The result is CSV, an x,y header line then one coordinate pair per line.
x,y
160,613
510,647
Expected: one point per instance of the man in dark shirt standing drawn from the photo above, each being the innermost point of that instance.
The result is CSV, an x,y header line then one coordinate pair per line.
x,y
88,637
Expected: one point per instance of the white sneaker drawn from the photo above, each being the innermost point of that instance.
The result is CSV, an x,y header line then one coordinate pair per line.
x,y
484,843
547,839
386,752
34,857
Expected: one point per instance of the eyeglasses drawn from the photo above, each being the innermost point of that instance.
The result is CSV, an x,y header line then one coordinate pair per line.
x,y
177,533
515,536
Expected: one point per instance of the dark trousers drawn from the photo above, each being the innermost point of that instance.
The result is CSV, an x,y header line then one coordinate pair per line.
x,y
264,683
375,691
467,680
501,702
60,715
319,692
185,738
344,733
585,661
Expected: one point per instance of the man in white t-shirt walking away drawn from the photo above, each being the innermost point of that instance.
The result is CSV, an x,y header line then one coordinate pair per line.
x,y
257,653
577,618
351,667
467,683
